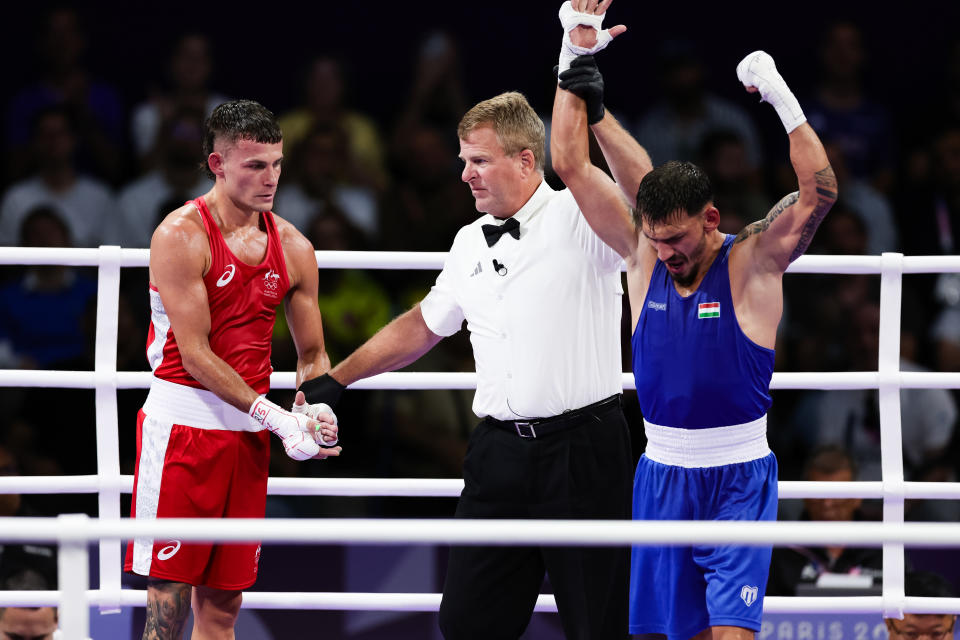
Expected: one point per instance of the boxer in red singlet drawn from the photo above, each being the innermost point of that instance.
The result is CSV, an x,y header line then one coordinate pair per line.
x,y
219,267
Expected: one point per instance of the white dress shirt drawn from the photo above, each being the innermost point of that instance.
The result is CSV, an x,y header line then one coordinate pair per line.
x,y
545,330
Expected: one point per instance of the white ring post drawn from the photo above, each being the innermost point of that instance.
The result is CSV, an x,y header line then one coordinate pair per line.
x,y
108,443
73,576
891,439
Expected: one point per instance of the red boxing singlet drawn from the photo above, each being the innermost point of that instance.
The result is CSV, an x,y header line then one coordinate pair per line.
x,y
243,306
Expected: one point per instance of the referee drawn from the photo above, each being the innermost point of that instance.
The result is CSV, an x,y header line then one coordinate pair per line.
x,y
541,296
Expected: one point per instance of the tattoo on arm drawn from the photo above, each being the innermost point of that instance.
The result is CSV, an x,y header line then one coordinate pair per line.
x,y
168,606
760,226
826,196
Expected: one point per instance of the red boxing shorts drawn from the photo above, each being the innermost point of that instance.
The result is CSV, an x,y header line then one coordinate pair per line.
x,y
197,457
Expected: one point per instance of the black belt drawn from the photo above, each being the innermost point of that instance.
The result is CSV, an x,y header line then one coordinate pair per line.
x,y
539,427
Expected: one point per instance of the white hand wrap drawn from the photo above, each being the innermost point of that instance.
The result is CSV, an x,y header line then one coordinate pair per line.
x,y
314,411
570,20
293,429
758,70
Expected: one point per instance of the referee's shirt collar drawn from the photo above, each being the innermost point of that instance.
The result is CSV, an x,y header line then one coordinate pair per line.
x,y
543,311
539,198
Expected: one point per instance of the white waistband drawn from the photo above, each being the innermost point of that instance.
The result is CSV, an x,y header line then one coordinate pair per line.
x,y
711,447
198,408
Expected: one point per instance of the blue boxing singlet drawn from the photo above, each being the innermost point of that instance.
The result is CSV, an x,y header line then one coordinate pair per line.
x,y
693,365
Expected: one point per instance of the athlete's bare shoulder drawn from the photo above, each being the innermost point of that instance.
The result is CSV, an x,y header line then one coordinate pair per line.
x,y
183,224
181,238
297,251
291,238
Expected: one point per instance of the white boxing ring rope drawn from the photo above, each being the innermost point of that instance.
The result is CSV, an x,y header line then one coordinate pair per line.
x,y
73,532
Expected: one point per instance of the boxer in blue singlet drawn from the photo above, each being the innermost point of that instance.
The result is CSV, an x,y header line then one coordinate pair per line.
x,y
705,309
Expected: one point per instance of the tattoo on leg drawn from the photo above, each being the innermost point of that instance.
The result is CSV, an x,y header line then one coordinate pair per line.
x,y
826,196
168,605
760,226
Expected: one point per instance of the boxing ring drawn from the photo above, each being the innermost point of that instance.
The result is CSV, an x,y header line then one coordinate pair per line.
x,y
74,532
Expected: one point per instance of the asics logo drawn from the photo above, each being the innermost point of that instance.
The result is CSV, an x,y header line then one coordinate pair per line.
x,y
227,275
170,550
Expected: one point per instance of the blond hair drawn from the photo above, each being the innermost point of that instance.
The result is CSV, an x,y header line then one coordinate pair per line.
x,y
516,124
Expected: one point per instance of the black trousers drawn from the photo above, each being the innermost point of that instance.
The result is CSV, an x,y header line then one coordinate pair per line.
x,y
580,471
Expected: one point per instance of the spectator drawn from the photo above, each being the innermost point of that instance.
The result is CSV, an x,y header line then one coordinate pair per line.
x,y
42,317
176,179
33,623
793,566
817,308
869,204
851,418
843,112
930,218
11,504
937,110
321,183
428,202
28,568
723,155
937,229
675,127
946,336
86,204
187,89
922,584
64,81
325,103
438,95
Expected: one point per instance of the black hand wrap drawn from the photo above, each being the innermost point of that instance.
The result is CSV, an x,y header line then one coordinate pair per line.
x,y
584,80
324,389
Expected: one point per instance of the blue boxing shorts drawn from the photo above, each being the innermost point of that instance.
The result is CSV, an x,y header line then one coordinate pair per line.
x,y
680,591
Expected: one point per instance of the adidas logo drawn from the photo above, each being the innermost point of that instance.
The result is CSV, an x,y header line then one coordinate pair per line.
x,y
477,269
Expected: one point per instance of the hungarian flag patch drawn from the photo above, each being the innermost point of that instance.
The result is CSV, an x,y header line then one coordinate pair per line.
x,y
708,310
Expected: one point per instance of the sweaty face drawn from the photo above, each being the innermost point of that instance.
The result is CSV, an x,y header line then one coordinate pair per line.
x,y
250,172
680,244
33,623
495,178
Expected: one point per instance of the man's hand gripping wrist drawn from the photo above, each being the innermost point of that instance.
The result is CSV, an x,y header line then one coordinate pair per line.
x,y
295,430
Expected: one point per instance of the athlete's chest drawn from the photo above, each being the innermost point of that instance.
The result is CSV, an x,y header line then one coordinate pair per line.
x,y
247,245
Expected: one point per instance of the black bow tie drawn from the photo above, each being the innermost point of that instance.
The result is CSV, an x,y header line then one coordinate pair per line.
x,y
492,232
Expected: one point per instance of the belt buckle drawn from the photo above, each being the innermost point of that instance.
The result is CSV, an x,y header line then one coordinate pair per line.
x,y
525,429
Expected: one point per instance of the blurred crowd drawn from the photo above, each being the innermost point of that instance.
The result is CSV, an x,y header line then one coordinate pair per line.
x,y
83,165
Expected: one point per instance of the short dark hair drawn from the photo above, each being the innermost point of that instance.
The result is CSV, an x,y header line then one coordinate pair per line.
x,y
43,212
28,567
239,120
926,584
669,189
52,111
828,459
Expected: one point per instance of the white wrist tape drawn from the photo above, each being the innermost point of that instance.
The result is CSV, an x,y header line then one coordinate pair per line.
x,y
570,19
293,429
314,411
758,70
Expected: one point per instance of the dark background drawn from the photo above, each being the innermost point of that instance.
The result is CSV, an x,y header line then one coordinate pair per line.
x,y
260,51
260,48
